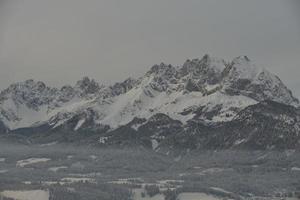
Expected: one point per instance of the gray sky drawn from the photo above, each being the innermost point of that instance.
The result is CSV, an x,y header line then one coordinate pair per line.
x,y
60,41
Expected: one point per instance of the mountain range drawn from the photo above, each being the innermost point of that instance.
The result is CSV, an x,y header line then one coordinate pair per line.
x,y
206,103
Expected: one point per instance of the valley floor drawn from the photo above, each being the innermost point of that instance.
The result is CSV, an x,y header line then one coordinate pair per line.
x,y
54,172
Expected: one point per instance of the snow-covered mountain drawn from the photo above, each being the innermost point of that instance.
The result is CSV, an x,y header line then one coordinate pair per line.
x,y
210,90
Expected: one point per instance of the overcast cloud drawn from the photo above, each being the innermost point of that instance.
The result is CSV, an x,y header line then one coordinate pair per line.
x,y
60,41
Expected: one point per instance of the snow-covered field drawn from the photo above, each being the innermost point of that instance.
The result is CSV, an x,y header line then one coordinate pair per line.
x,y
196,196
195,176
26,195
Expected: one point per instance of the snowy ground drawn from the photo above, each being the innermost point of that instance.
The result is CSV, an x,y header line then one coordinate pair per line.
x,y
26,195
196,196
209,175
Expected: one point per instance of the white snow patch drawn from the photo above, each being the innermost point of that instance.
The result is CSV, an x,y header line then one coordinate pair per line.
x,y
92,174
93,157
135,103
79,124
49,144
167,182
2,159
55,169
49,183
137,126
237,142
154,144
214,170
212,87
263,156
220,190
29,161
197,167
295,168
196,196
102,140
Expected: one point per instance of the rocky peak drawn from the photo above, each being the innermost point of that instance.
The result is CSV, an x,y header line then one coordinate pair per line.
x,y
241,60
207,71
203,66
245,78
159,77
210,74
28,85
196,72
67,92
31,93
162,70
243,68
123,87
87,86
221,88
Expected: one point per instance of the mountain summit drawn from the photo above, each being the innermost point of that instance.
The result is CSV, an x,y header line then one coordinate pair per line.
x,y
209,91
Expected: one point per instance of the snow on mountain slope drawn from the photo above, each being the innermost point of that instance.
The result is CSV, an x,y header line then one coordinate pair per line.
x,y
209,89
137,104
22,115
247,79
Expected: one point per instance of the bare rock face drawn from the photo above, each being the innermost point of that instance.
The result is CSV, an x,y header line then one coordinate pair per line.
x,y
207,71
87,86
123,87
3,128
33,94
183,104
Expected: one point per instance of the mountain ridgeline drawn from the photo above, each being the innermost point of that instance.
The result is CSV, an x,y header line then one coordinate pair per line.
x,y
206,103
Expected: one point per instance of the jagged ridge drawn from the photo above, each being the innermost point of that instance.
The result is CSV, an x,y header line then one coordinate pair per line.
x,y
207,90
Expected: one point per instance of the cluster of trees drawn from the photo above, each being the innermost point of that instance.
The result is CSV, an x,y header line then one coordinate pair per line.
x,y
152,190
90,192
